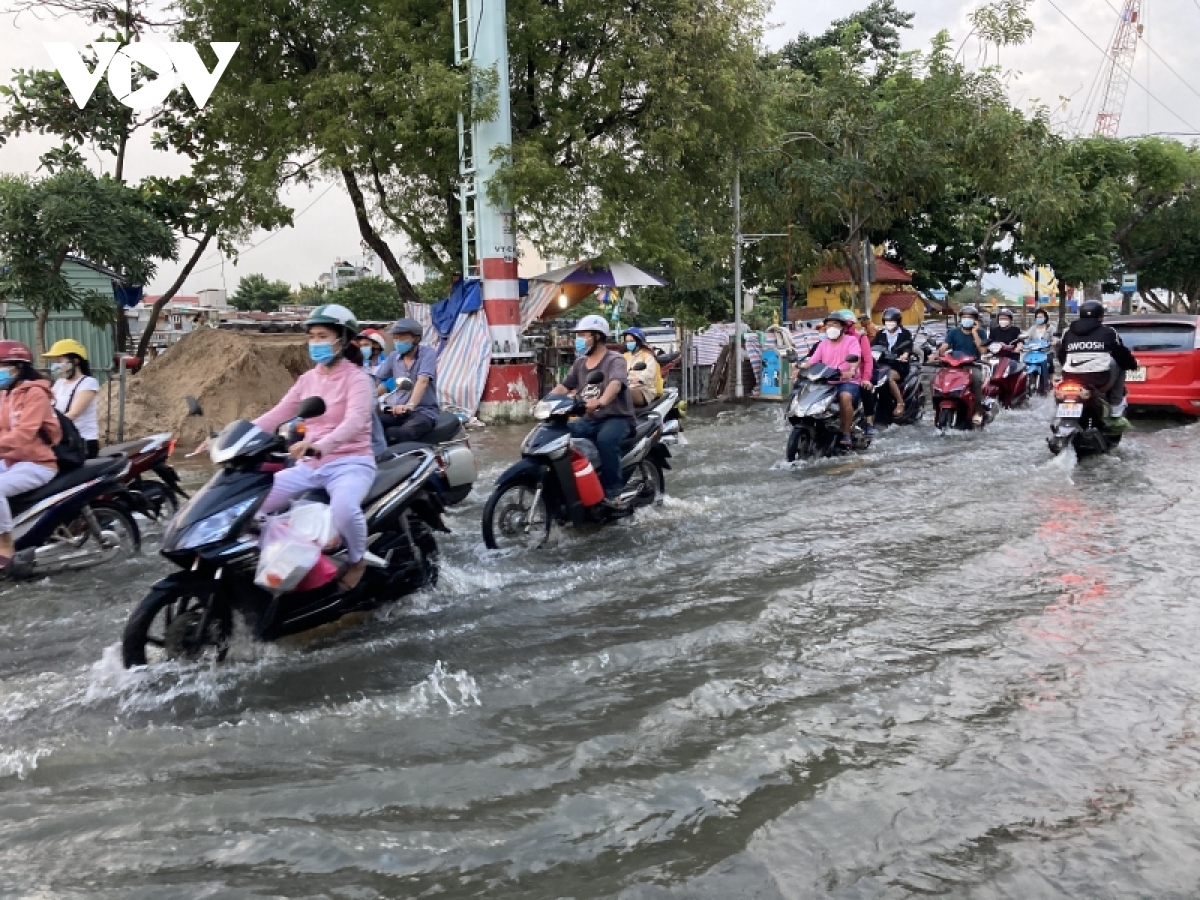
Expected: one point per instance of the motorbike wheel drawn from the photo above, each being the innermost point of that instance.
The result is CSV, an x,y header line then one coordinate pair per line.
x,y
115,520
650,484
800,445
427,546
161,504
516,517
944,417
166,626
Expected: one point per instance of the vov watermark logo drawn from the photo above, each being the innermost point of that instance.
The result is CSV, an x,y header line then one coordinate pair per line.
x,y
173,62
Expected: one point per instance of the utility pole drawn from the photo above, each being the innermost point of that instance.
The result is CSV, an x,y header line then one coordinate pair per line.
x,y
866,274
737,278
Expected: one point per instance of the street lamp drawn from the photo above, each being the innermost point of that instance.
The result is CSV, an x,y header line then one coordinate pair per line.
x,y
738,240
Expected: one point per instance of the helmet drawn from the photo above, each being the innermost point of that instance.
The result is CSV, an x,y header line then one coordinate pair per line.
x,y
1091,309
1004,311
846,316
834,317
969,310
373,336
14,351
636,333
409,326
333,314
892,314
68,347
593,323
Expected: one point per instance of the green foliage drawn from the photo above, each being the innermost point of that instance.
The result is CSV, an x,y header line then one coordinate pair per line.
x,y
871,35
308,295
370,299
256,293
74,213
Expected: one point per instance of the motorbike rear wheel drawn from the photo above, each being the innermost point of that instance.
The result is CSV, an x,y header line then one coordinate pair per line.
x,y
166,625
648,479
516,517
161,503
944,419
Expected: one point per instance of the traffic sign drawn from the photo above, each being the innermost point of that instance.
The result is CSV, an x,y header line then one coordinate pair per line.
x,y
1129,283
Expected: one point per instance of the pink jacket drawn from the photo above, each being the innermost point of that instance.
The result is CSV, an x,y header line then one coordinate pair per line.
x,y
345,427
834,353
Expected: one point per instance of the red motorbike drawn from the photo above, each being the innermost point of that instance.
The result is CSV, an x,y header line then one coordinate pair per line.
x,y
954,402
1009,383
156,499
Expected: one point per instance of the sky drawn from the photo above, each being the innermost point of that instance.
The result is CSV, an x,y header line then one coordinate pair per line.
x,y
1056,68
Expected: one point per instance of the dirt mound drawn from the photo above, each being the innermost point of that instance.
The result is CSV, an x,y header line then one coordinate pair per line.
x,y
234,376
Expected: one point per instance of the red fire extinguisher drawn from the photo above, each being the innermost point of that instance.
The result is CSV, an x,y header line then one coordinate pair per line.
x,y
586,480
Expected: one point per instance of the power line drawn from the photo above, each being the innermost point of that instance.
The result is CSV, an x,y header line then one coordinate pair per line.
x,y
1131,78
273,233
1158,56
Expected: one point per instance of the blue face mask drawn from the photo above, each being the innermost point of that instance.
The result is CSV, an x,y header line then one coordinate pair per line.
x,y
581,345
366,352
6,379
631,346
403,347
321,352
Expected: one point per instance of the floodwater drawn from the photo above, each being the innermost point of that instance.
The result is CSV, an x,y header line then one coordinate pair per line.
x,y
951,666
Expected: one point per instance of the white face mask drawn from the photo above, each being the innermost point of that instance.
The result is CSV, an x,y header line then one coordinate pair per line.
x,y
833,333
968,323
1004,323
891,326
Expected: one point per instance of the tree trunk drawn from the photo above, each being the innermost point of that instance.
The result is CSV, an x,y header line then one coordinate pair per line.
x,y
40,332
374,241
144,344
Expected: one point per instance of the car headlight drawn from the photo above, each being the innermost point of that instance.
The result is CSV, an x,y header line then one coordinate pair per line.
x,y
215,527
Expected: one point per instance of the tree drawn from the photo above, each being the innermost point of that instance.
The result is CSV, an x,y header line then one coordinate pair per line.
x,y
73,213
308,295
370,299
255,293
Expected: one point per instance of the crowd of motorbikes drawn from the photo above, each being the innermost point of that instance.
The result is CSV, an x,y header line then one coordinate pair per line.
x,y
90,515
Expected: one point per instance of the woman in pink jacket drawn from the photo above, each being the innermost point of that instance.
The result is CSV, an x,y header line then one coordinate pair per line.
x,y
336,452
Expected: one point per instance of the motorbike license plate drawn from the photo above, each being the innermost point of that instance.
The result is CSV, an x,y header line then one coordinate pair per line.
x,y
1136,375
1070,410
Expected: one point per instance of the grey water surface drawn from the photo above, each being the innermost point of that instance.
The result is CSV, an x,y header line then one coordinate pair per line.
x,y
951,666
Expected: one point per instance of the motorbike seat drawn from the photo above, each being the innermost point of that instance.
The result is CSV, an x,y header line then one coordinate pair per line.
x,y
129,448
644,412
93,468
446,429
643,427
387,476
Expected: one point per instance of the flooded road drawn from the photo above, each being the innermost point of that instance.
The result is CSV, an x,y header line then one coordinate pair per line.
x,y
950,666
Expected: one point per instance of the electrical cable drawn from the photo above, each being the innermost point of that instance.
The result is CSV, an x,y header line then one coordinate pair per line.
x,y
1157,55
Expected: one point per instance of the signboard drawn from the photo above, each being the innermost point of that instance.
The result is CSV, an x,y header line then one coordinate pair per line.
x,y
1129,283
938,294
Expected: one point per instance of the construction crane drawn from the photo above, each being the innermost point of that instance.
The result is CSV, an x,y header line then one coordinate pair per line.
x,y
1118,68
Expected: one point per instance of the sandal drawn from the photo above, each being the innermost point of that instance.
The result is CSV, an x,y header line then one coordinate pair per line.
x,y
900,408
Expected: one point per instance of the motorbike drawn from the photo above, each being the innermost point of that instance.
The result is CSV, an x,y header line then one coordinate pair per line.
x,y
556,479
911,389
1081,417
213,541
456,470
1037,361
954,402
155,498
80,518
1009,379
813,412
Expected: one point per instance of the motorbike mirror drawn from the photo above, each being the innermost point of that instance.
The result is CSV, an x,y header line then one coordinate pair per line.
x,y
404,384
596,377
194,407
639,367
310,408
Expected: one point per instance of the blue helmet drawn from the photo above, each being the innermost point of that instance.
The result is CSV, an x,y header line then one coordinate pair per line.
x,y
637,333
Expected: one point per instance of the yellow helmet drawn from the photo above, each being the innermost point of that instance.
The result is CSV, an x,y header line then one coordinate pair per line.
x,y
62,348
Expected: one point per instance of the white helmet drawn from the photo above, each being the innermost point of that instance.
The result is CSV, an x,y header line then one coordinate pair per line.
x,y
594,323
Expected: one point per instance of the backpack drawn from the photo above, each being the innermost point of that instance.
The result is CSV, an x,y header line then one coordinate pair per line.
x,y
71,450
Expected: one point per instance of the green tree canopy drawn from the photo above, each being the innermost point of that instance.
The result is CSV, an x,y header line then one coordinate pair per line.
x,y
257,293
370,299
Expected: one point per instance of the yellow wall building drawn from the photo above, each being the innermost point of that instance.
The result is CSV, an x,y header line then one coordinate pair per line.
x,y
834,289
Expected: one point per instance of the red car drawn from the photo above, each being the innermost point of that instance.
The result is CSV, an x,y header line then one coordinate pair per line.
x,y
1167,347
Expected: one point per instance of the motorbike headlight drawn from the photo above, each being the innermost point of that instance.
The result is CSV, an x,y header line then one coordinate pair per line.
x,y
819,408
215,527
542,410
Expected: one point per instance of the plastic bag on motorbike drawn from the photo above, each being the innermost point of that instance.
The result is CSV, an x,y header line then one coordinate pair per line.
x,y
291,546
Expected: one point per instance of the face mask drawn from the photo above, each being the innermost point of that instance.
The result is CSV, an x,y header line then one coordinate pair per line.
x,y
968,323
581,345
630,346
321,352
891,326
1041,321
833,333
1004,323
403,347
6,379
60,370
366,352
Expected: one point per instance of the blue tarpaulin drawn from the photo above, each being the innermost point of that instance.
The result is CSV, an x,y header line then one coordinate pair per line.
x,y
127,295
465,297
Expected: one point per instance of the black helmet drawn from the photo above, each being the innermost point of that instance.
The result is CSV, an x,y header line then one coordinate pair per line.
x,y
1005,311
892,314
1091,309
969,310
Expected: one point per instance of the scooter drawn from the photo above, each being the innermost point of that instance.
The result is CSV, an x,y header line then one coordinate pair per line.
x,y
814,415
954,402
213,541
1081,419
1009,381
557,478
911,389
456,469
156,499
78,519
1037,361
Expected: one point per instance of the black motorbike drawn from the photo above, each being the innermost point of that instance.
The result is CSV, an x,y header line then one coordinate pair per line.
x,y
911,389
541,489
78,519
814,415
213,540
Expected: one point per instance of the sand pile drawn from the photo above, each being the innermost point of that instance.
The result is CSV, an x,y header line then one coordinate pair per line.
x,y
234,376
